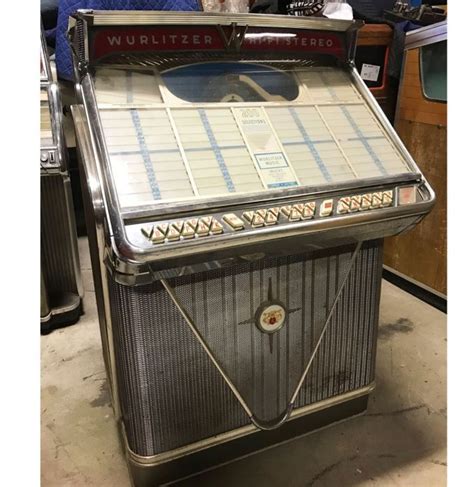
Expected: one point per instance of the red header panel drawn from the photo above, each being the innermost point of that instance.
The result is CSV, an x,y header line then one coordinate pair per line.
x,y
127,39
297,40
113,40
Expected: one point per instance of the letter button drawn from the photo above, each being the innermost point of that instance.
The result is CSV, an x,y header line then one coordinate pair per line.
x,y
157,236
193,223
258,221
344,205
216,227
207,220
248,215
295,215
308,212
188,231
387,198
178,225
376,200
270,219
173,234
355,203
163,228
202,229
366,201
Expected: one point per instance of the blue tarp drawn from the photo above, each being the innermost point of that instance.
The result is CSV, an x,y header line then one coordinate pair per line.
x,y
67,7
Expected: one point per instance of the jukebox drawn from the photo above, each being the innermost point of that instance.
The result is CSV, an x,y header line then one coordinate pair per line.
x,y
61,284
239,179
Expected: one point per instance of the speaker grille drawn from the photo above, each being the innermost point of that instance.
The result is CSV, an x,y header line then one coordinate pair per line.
x,y
170,392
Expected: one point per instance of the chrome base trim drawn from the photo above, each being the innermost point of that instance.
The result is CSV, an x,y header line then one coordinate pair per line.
x,y
65,312
71,302
155,460
241,457
46,318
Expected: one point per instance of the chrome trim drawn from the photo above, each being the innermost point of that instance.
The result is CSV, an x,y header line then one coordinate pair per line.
x,y
104,172
259,235
339,236
73,236
225,202
89,166
46,318
57,130
45,310
426,35
74,303
47,76
389,129
154,460
277,422
328,320
149,17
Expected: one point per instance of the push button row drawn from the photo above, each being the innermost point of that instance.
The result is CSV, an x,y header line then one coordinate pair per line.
x,y
185,229
202,227
361,202
262,217
306,211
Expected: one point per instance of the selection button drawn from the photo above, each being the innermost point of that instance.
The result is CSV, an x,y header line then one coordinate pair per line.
x,y
233,221
258,221
326,208
202,229
157,236
188,231
366,201
295,215
173,234
270,219
216,227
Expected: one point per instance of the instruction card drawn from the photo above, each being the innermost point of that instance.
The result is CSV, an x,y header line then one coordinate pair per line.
x,y
271,163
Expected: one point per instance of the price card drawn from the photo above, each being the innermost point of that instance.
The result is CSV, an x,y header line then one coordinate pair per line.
x,y
370,72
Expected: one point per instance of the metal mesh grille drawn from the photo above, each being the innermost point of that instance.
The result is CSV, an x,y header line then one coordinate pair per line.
x,y
170,392
57,254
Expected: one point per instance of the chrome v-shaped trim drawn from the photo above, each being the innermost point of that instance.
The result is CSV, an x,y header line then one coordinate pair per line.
x,y
278,421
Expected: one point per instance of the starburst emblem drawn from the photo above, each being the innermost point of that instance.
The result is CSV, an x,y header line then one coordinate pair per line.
x,y
270,316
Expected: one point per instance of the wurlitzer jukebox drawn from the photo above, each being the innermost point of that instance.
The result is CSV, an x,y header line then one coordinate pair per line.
x,y
239,178
61,284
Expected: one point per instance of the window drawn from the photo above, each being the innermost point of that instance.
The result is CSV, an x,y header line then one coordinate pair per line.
x,y
433,60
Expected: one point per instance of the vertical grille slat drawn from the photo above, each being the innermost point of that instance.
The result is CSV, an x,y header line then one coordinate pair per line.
x,y
57,253
170,392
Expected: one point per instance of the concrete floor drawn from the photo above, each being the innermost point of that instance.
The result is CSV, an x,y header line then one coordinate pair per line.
x,y
401,441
